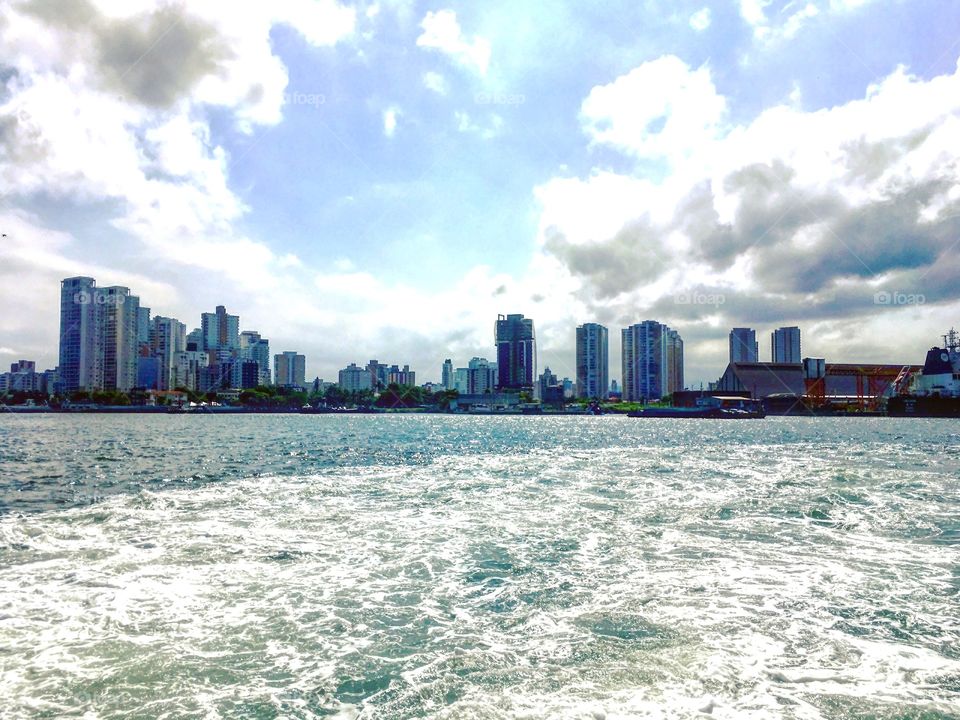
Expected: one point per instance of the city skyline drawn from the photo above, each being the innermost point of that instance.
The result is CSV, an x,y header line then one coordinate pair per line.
x,y
395,174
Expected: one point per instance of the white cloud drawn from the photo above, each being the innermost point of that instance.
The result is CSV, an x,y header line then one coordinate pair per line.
x,y
467,124
390,116
661,109
795,214
700,20
441,31
436,82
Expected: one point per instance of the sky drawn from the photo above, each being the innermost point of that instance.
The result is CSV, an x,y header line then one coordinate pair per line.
x,y
381,179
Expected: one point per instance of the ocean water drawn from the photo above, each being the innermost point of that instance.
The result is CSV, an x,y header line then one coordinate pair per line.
x,y
478,567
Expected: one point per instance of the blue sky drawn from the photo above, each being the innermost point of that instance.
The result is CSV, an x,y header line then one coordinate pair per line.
x,y
381,179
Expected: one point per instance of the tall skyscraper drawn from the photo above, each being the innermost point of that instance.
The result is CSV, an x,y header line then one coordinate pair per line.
x,y
253,347
516,343
743,346
167,340
652,361
143,326
119,328
785,345
80,367
289,369
674,361
447,377
219,330
592,362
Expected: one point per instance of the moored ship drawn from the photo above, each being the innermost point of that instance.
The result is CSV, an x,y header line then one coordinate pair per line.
x,y
936,390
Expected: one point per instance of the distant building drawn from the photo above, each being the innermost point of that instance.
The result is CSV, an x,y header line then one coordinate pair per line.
x,y
549,389
220,330
118,325
290,369
80,351
480,376
143,327
256,348
785,345
406,376
354,378
743,346
168,338
378,374
516,343
674,361
652,361
446,379
592,361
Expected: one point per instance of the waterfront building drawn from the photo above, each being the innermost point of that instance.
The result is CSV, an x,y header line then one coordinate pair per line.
x,y
743,346
143,327
167,339
80,352
219,330
652,361
446,379
549,390
401,377
195,339
480,376
119,330
516,344
354,378
290,369
674,361
785,345
256,348
592,361
148,370
378,374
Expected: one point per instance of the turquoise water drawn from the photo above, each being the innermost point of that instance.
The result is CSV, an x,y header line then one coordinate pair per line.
x,y
478,567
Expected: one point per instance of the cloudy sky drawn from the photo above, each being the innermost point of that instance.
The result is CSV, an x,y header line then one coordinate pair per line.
x,y
380,179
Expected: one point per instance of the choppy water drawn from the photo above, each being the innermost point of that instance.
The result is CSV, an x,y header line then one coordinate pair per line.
x,y
302,567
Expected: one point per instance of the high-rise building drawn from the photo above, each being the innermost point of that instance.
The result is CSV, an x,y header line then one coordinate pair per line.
x,y
674,361
743,346
785,345
652,361
167,340
354,378
406,376
516,343
253,347
143,327
80,351
480,376
447,376
592,362
219,330
118,322
290,369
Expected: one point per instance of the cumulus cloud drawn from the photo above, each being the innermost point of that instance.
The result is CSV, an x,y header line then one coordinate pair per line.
x,y
794,216
441,31
662,108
